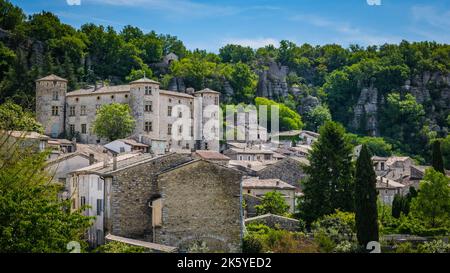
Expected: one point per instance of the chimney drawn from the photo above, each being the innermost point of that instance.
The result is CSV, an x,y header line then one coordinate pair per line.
x,y
91,159
114,161
74,143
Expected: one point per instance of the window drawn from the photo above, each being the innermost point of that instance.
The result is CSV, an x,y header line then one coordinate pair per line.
x,y
126,96
82,201
72,129
98,98
112,97
179,143
83,110
148,126
382,166
148,90
180,114
169,129
55,95
170,100
99,206
206,145
169,111
187,146
148,106
179,101
83,129
216,101
55,111
192,131
71,111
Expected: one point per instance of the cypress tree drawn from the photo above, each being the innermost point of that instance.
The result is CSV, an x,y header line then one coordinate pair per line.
x,y
365,199
330,175
437,160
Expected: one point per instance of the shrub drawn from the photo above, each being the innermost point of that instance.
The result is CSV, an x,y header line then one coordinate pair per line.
x,y
252,244
436,246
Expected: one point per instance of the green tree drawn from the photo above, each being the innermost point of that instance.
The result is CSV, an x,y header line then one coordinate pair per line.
x,y
114,121
274,203
432,204
236,53
437,159
366,199
32,217
445,146
289,119
400,205
118,247
330,182
12,117
317,117
376,145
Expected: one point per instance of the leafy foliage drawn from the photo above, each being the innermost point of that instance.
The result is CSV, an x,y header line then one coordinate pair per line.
x,y
366,199
113,121
118,247
330,183
274,203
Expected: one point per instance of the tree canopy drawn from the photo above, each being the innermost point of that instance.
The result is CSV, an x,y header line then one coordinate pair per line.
x,y
114,121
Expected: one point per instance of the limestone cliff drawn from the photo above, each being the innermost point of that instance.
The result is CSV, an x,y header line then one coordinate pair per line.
x,y
272,81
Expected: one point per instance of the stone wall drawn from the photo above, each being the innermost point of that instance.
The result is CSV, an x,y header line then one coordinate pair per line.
x,y
275,221
201,202
288,170
251,201
131,190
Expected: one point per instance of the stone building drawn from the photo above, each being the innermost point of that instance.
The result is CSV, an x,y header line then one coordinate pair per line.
x,y
259,187
204,207
171,199
159,114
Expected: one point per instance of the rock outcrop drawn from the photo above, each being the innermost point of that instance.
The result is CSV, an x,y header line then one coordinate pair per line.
x,y
366,111
272,81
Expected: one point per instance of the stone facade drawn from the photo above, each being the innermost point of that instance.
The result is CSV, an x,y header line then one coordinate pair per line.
x,y
201,201
131,190
156,111
288,169
50,104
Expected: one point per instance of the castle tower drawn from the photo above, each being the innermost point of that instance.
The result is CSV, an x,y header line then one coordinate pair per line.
x,y
50,104
144,103
207,119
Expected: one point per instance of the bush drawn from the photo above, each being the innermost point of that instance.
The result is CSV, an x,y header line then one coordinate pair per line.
x,y
118,247
338,226
405,248
251,244
436,246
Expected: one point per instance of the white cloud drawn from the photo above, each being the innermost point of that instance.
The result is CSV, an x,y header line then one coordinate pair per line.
x,y
253,43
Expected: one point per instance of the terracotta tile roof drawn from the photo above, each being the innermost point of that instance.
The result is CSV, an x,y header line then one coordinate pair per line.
x,y
27,135
102,90
211,155
256,183
52,77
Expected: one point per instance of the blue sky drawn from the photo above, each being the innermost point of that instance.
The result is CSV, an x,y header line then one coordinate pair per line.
x,y
210,24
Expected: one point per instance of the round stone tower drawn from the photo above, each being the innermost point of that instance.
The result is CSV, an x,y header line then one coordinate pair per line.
x,y
50,104
207,119
144,103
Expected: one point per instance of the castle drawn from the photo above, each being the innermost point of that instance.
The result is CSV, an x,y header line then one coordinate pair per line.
x,y
157,112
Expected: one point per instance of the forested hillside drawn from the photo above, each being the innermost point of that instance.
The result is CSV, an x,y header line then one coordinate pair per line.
x,y
400,92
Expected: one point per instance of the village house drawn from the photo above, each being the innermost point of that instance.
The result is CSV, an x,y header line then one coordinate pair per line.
x,y
212,156
173,200
259,187
289,170
25,140
71,114
387,189
125,146
249,154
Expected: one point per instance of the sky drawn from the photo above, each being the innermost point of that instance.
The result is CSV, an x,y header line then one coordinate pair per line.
x,y
211,24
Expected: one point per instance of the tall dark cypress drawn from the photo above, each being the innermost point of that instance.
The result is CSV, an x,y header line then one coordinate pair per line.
x,y
438,161
366,199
